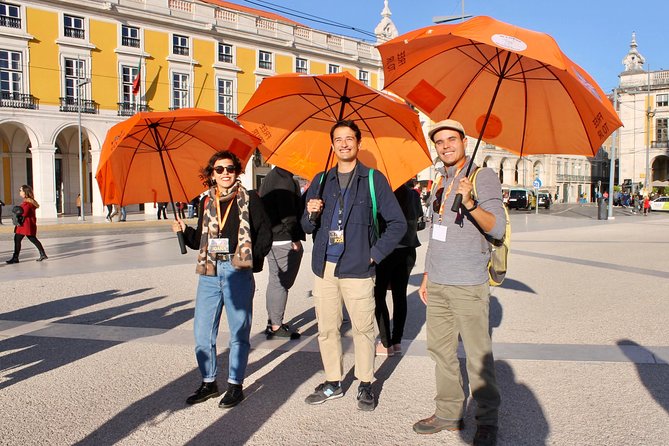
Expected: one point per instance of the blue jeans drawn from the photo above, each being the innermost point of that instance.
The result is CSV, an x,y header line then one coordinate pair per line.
x,y
233,289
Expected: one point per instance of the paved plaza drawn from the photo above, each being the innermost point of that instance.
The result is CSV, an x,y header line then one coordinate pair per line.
x,y
96,344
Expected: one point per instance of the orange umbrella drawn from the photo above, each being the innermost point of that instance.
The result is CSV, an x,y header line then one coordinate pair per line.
x,y
293,114
157,156
512,86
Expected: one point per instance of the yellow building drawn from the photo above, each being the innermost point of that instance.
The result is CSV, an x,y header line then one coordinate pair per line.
x,y
61,60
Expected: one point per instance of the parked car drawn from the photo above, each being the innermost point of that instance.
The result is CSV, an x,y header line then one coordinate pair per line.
x,y
522,199
660,204
544,200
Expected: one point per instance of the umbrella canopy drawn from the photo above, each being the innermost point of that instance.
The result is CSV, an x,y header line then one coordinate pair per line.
x,y
512,86
157,156
293,115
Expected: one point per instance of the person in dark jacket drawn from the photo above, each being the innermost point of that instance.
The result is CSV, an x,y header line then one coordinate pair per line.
x,y
345,252
280,194
28,228
233,236
395,270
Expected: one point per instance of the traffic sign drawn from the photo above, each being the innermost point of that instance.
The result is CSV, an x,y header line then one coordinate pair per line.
x,y
537,183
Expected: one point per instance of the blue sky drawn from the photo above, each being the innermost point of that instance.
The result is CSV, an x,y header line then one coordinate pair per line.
x,y
593,33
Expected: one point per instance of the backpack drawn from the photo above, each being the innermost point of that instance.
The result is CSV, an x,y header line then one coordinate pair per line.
x,y
499,249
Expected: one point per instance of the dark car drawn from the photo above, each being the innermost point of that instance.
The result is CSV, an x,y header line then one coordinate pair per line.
x,y
521,199
544,200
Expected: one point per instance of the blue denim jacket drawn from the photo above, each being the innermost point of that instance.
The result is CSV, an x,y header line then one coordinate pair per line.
x,y
360,241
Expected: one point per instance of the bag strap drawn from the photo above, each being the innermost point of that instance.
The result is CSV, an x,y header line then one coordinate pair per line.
x,y
472,179
372,192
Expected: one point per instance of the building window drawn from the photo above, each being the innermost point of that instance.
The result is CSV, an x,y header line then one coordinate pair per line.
x,y
301,65
11,73
130,36
225,98
128,75
662,100
179,90
74,27
265,60
75,71
9,15
225,53
363,76
180,45
332,69
661,126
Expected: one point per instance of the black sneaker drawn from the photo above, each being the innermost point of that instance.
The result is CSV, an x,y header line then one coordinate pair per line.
x,y
324,392
232,397
486,435
282,332
365,396
203,393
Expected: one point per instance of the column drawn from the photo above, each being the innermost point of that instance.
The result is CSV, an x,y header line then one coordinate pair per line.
x,y
44,180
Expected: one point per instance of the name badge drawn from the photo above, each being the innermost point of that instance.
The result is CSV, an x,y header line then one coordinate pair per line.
x,y
336,237
439,232
219,245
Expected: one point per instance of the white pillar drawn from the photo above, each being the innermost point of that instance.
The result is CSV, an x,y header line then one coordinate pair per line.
x,y
44,180
99,208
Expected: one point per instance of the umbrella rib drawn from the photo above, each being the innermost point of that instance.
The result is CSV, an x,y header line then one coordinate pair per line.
x,y
522,140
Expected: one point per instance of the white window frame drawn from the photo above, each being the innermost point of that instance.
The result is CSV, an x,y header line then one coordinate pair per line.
x,y
78,74
301,67
267,58
7,16
225,54
662,100
182,94
15,75
225,100
363,76
662,132
334,68
76,24
180,41
127,77
131,30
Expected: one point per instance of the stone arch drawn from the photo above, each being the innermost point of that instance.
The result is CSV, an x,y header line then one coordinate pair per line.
x,y
16,143
660,168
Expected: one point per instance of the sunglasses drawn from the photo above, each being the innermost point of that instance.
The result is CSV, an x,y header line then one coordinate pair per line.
x,y
220,169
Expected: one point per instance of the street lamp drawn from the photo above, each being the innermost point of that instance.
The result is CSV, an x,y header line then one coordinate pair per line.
x,y
649,116
612,158
80,83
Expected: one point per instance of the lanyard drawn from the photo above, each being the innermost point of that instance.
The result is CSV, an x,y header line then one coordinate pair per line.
x,y
447,192
221,223
340,215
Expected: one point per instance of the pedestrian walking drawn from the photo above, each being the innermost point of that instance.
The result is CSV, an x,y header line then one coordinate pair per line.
x,y
78,204
2,204
233,235
280,194
455,288
162,210
123,215
646,205
28,224
394,272
345,252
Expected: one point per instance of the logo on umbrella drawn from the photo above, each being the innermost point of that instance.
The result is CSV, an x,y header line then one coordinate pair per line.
x,y
508,42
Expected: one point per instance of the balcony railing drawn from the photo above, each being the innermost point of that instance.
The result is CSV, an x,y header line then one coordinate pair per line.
x,y
180,50
130,108
10,22
70,104
659,145
75,33
18,100
130,41
573,178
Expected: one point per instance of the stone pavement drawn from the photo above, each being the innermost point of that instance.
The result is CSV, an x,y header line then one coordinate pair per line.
x,y
96,344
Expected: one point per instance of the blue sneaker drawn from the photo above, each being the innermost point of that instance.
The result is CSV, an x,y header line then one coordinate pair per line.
x,y
325,391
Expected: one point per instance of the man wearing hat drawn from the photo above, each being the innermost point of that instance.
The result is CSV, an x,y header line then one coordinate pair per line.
x,y
455,286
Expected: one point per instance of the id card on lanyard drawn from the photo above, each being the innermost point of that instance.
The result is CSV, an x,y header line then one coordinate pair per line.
x,y
438,229
220,245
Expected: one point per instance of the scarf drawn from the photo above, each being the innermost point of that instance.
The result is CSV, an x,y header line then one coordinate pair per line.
x,y
243,255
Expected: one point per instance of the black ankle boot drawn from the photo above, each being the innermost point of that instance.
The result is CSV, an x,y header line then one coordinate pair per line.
x,y
13,260
203,393
232,397
42,257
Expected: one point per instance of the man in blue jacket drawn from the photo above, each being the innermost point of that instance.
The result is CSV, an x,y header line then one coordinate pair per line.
x,y
345,252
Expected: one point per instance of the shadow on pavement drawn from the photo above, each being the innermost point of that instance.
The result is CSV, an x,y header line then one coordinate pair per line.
x,y
33,355
653,376
510,284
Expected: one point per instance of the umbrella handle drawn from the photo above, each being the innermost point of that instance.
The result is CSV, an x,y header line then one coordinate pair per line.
x,y
182,243
457,202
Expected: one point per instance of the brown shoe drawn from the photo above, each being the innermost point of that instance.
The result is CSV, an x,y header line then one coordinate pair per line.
x,y
486,435
435,424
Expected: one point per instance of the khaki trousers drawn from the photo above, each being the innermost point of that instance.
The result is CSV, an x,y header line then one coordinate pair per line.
x,y
462,310
358,296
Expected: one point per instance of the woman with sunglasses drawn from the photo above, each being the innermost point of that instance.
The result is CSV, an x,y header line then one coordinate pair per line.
x,y
233,236
28,228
